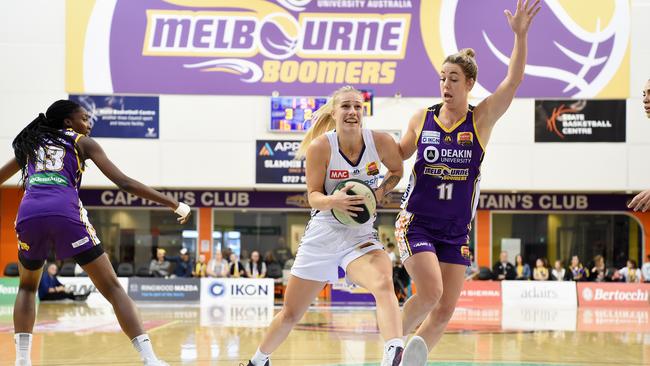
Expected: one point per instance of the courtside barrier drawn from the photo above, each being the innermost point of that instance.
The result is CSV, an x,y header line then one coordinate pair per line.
x,y
164,289
614,295
236,290
480,294
550,294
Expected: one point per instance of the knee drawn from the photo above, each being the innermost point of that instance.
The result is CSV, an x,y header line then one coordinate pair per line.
x,y
444,312
381,283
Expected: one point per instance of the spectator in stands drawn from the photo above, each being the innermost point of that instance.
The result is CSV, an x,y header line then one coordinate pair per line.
x,y
183,265
503,270
289,263
236,268
255,268
598,271
630,273
578,271
522,269
390,249
472,271
559,273
540,273
282,253
645,270
159,267
244,258
217,266
273,267
226,255
201,267
51,289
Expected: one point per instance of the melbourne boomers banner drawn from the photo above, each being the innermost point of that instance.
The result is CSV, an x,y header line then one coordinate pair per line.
x,y
309,47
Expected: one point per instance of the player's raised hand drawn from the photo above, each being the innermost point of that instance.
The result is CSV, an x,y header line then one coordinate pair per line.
x,y
641,202
524,14
184,211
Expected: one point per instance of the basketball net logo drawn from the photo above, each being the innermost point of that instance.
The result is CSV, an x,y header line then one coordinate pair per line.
x,y
558,112
572,53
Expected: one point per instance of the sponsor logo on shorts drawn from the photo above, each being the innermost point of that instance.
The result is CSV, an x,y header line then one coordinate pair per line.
x,y
372,168
23,246
430,137
465,138
339,174
80,242
464,251
421,244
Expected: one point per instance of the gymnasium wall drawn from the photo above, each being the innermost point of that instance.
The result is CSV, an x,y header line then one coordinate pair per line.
x,y
209,141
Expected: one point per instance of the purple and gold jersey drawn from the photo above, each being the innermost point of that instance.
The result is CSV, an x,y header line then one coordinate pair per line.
x,y
53,181
444,184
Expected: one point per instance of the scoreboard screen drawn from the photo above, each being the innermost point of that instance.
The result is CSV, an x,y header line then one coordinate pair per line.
x,y
294,114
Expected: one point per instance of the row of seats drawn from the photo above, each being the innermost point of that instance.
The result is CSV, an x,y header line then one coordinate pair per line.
x,y
67,270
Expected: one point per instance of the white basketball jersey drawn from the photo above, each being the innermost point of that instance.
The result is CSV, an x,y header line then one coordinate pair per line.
x,y
340,169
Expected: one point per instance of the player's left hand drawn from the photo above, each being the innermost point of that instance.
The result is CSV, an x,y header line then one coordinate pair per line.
x,y
184,211
641,202
524,15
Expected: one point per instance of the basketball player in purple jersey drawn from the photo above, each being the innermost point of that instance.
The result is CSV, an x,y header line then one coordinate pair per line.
x,y
442,195
51,152
641,202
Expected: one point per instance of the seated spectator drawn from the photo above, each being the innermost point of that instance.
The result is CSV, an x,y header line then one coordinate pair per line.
x,y
183,265
289,263
559,273
51,289
522,269
217,266
236,268
282,253
578,272
200,268
255,268
159,267
472,271
630,273
540,273
645,270
599,271
244,258
273,268
503,270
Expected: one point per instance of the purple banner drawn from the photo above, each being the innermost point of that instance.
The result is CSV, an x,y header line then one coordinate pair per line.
x,y
298,200
311,47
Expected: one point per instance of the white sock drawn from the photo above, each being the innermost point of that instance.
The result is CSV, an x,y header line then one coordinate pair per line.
x,y
23,345
259,359
142,344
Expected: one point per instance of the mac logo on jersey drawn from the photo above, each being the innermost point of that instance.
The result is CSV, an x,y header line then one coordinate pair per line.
x,y
576,49
339,174
431,154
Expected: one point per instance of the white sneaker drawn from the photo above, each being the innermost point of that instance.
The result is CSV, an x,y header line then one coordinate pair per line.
x,y
415,352
393,357
23,362
155,362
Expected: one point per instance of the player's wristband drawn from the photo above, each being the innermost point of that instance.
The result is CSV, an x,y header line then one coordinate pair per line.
x,y
182,209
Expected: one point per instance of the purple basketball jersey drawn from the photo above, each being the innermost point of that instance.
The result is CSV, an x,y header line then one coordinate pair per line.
x,y
444,184
52,182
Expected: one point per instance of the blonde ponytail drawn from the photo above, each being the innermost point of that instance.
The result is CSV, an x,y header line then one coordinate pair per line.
x,y
323,121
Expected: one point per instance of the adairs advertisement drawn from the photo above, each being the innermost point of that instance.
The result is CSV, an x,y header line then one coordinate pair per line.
x,y
240,290
275,162
614,295
310,47
561,295
580,121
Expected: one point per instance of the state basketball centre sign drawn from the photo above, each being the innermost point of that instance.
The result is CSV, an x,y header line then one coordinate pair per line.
x,y
580,120
310,47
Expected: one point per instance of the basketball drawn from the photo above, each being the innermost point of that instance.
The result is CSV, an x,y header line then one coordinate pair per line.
x,y
369,207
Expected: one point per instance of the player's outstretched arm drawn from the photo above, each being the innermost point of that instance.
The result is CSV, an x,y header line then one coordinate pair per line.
x,y
91,150
8,170
493,107
408,143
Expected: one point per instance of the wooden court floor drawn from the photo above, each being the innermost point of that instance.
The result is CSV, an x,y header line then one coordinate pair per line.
x,y
77,334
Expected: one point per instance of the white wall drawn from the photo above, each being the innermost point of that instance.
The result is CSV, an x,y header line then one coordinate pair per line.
x,y
209,141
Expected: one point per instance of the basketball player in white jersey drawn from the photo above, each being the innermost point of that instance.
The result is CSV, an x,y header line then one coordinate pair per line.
x,y
349,151
642,200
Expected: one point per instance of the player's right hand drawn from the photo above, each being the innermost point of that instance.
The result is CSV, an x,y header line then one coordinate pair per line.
x,y
184,211
344,202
